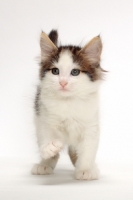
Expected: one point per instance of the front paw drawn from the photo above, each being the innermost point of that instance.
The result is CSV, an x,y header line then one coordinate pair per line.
x,y
51,149
92,174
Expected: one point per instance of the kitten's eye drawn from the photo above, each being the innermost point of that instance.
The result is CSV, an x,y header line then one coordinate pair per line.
x,y
75,72
55,71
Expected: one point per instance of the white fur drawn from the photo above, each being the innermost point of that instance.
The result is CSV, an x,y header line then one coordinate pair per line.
x,y
69,116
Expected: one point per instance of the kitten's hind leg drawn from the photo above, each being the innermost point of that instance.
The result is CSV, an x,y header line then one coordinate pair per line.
x,y
45,167
72,154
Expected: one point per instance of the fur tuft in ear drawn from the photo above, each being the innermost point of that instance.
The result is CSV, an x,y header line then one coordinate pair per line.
x,y
47,46
92,50
53,35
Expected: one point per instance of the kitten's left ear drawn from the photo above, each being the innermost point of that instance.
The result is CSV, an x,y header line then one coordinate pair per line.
x,y
47,46
92,50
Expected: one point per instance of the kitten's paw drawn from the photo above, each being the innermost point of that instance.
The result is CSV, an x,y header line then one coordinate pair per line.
x,y
51,149
87,174
39,169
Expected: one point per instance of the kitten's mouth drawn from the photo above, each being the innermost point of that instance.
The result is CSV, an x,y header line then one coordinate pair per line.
x,y
64,89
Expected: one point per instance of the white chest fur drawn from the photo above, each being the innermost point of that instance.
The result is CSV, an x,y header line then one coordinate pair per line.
x,y
70,117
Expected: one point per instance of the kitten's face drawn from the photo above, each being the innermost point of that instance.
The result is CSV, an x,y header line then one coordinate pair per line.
x,y
68,71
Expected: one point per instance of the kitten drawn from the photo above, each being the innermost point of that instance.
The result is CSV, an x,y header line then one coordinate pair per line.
x,y
67,105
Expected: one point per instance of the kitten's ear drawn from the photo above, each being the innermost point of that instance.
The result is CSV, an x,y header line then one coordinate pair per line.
x,y
92,50
53,35
47,46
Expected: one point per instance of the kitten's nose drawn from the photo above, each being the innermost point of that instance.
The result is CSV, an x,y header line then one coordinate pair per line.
x,y
63,83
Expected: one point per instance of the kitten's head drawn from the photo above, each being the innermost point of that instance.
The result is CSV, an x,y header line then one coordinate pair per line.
x,y
69,71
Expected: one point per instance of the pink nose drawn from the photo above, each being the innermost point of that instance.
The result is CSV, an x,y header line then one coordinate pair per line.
x,y
63,83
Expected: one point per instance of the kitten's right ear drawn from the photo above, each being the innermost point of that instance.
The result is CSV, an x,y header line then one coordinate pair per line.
x,y
53,35
47,46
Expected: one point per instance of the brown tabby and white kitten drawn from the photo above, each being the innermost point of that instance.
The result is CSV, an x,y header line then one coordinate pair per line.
x,y
67,105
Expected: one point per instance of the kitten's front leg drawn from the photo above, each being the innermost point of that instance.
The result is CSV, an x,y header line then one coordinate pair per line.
x,y
86,153
50,154
48,138
50,149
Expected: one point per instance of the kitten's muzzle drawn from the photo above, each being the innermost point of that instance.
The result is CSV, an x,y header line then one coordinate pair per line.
x,y
63,83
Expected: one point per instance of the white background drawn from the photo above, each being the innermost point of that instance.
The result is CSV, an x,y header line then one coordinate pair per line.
x,y
77,22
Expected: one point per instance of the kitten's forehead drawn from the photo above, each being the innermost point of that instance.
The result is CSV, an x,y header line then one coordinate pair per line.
x,y
65,61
